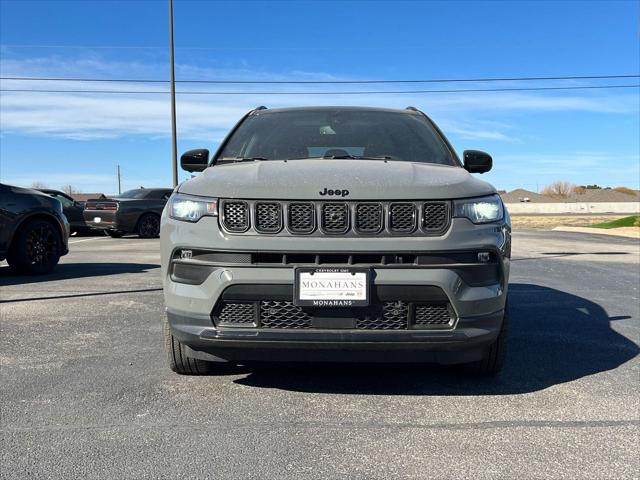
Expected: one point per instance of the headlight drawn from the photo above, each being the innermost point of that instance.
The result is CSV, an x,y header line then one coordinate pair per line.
x,y
189,208
480,210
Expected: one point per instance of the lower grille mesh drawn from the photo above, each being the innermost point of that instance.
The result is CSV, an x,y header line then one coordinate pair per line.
x,y
237,313
393,315
432,315
282,314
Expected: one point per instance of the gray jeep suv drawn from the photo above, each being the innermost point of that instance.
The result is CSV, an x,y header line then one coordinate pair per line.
x,y
335,234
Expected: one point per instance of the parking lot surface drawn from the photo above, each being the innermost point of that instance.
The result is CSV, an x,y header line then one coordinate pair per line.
x,y
85,392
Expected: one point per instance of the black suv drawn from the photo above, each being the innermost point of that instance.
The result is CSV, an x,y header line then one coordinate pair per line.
x,y
34,232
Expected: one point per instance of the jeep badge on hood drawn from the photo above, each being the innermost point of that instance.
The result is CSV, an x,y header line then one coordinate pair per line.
x,y
337,192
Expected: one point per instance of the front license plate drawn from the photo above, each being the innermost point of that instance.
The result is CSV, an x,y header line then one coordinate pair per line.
x,y
331,287
97,219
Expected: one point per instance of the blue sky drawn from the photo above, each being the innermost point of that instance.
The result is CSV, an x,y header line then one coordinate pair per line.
x,y
583,136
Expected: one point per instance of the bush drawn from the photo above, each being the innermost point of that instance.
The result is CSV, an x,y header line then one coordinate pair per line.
x,y
559,189
625,190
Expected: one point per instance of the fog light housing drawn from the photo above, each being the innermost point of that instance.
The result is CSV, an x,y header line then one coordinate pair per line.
x,y
484,257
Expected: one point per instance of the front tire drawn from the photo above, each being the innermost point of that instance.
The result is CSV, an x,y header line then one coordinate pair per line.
x,y
149,226
494,358
36,248
177,357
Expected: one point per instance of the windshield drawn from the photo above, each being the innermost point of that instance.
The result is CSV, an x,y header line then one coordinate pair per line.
x,y
337,133
137,193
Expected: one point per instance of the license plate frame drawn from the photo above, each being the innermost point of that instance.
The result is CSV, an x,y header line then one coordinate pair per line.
x,y
332,297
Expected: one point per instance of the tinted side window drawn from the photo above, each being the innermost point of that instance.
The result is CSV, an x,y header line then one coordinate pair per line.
x,y
64,200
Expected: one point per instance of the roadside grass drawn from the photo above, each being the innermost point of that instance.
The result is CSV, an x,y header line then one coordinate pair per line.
x,y
632,221
549,222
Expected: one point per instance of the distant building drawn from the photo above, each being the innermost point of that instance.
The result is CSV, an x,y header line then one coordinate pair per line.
x,y
521,195
83,197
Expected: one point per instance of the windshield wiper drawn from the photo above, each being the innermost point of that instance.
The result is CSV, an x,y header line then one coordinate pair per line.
x,y
245,159
358,157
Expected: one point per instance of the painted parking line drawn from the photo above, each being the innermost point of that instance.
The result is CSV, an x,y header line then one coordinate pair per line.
x,y
88,239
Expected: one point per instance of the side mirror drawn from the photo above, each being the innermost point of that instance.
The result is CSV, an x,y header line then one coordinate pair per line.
x,y
195,160
476,161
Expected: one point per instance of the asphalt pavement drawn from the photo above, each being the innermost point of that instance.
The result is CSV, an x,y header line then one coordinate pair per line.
x,y
85,392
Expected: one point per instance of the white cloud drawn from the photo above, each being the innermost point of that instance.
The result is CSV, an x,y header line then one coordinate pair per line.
x,y
92,116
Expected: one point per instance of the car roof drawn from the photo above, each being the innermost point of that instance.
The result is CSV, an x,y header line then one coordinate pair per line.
x,y
265,111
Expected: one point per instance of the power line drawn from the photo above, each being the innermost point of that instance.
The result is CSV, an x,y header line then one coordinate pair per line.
x,y
323,82
373,92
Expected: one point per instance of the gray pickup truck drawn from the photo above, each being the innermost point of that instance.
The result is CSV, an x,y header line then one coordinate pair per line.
x,y
335,234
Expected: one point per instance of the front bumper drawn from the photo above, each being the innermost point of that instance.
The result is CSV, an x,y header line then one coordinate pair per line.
x,y
466,343
478,306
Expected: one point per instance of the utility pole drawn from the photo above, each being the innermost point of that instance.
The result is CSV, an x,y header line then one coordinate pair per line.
x,y
119,189
174,144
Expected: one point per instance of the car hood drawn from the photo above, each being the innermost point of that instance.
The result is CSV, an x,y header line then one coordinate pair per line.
x,y
364,180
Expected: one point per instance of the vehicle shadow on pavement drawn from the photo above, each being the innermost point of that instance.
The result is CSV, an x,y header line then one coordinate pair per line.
x,y
66,271
555,337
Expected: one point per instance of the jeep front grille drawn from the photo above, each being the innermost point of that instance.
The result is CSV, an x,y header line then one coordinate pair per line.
x,y
402,217
335,218
301,217
235,216
434,216
369,218
320,218
389,315
268,217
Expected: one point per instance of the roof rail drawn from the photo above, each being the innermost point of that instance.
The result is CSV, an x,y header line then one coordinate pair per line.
x,y
261,107
412,108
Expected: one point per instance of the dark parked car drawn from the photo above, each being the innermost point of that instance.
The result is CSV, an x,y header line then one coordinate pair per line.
x,y
72,210
135,211
34,232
